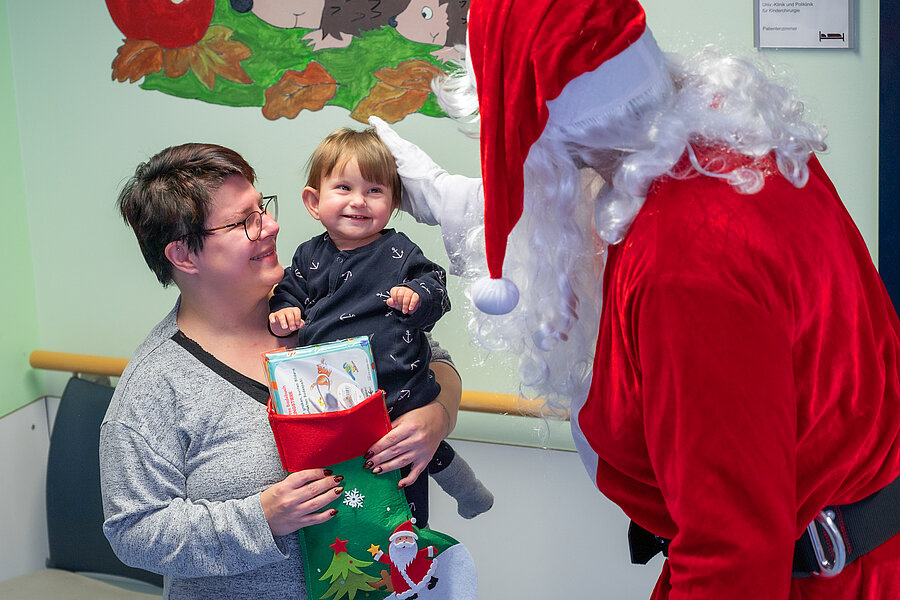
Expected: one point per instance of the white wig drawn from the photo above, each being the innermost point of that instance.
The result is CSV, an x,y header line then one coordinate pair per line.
x,y
557,250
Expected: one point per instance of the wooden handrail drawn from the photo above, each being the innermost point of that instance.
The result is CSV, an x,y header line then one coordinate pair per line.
x,y
472,401
77,363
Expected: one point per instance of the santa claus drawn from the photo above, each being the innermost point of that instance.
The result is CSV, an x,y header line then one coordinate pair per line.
x,y
710,314
411,569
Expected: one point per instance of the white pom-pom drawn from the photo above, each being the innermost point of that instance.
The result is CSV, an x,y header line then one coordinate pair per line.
x,y
495,296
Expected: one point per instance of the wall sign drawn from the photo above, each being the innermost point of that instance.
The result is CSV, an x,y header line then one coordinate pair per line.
x,y
804,23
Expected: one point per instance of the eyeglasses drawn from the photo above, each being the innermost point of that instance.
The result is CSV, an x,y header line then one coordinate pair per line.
x,y
253,223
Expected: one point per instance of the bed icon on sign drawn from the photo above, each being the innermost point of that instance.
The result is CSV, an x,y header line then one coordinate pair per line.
x,y
830,36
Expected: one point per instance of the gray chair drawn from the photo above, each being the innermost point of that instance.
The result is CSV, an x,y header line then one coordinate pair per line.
x,y
75,512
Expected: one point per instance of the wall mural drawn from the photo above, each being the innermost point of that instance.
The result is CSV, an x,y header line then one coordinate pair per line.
x,y
372,57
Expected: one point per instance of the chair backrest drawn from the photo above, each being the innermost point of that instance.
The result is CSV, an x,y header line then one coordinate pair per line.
x,y
74,507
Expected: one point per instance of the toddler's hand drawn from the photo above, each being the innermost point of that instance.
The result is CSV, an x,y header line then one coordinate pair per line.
x,y
403,299
284,321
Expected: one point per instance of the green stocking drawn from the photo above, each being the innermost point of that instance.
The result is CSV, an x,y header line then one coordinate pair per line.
x,y
351,554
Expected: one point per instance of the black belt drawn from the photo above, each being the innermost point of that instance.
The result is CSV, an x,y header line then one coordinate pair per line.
x,y
862,526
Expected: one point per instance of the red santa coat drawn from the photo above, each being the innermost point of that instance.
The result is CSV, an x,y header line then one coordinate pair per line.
x,y
746,376
417,571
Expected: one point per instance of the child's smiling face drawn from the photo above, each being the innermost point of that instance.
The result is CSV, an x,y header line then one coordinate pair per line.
x,y
353,209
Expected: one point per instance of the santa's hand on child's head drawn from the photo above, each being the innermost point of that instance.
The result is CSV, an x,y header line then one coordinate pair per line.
x,y
429,191
432,195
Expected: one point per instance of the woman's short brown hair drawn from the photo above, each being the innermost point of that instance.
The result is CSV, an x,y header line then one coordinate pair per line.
x,y
168,198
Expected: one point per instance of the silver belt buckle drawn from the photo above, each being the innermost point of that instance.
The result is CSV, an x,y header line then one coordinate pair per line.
x,y
827,568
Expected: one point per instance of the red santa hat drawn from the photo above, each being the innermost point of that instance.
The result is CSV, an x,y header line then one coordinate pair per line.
x,y
562,61
405,528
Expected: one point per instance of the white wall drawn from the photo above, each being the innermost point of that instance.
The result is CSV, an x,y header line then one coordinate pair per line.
x,y
549,534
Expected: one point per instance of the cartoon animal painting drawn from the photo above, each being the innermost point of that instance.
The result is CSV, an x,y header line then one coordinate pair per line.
x,y
335,22
369,56
438,22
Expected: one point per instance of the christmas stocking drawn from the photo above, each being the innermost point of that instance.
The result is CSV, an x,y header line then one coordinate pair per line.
x,y
372,547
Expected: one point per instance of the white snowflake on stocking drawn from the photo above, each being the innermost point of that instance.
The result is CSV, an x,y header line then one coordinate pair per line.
x,y
354,499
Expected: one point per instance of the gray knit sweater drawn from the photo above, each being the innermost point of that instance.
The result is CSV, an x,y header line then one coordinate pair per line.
x,y
184,455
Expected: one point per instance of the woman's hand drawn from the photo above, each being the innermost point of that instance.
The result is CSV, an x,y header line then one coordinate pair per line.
x,y
412,442
415,435
294,502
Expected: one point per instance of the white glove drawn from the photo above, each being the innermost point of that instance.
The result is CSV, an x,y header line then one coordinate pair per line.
x,y
434,196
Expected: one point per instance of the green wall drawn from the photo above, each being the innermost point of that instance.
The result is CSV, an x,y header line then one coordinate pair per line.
x,y
19,333
82,134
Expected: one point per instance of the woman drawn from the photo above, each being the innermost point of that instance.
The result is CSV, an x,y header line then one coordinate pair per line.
x,y
192,484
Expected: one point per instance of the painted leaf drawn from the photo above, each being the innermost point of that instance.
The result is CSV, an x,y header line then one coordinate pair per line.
x,y
177,61
410,75
308,89
136,58
389,102
218,54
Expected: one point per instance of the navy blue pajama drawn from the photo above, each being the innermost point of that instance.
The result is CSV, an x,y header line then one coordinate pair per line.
x,y
342,294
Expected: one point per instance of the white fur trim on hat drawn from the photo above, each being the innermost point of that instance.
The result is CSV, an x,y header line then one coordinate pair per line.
x,y
636,71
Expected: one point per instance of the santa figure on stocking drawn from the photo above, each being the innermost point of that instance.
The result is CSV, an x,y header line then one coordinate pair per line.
x,y
411,568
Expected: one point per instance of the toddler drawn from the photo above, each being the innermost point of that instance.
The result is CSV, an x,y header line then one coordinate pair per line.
x,y
359,278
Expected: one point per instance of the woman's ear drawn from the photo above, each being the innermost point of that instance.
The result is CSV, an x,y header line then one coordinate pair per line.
x,y
311,201
181,257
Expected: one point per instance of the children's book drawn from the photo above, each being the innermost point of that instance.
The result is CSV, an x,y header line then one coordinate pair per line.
x,y
321,378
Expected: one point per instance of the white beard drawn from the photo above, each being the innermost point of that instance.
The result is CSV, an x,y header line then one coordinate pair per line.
x,y
403,554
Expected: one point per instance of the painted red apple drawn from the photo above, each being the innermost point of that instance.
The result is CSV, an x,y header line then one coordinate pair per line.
x,y
169,23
